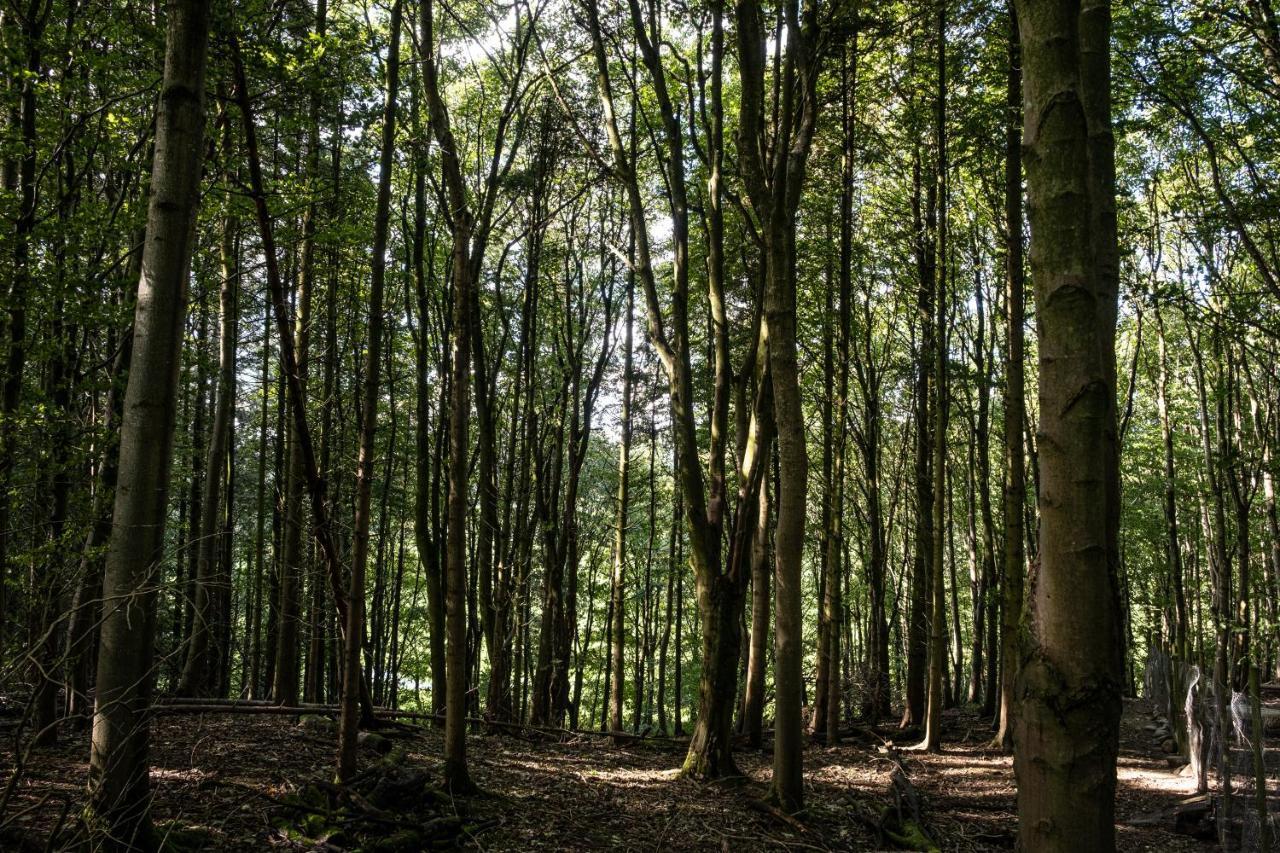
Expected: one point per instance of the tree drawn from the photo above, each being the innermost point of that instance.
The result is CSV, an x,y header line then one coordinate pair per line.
x,y
1068,689
774,182
938,609
351,680
1011,606
118,763
618,581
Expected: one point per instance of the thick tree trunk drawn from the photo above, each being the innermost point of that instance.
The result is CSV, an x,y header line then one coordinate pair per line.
x,y
789,531
118,768
710,752
774,187
1067,724
718,585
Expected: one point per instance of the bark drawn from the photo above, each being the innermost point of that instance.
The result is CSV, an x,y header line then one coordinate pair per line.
x,y
186,567
118,770
832,598
822,669
673,568
984,656
284,688
456,774
82,627
314,680
1069,688
252,689
1273,532
1219,572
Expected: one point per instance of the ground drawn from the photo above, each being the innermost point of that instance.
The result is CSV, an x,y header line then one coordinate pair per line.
x,y
219,780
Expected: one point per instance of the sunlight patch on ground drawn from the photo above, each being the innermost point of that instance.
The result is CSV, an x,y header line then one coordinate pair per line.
x,y
169,774
631,777
1154,781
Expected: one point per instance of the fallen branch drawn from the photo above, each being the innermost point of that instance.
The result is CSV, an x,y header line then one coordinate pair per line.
x,y
773,811
902,823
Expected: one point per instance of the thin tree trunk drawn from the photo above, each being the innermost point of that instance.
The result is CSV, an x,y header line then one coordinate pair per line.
x,y
922,566
349,724
1181,655
32,27
456,774
758,662
1015,488
937,618
617,586
253,688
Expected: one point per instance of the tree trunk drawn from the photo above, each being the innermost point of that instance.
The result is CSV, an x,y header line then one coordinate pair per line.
x,y
351,676
290,372
1015,488
1181,653
118,769
937,619
456,775
758,662
775,199
617,586
1067,725
922,565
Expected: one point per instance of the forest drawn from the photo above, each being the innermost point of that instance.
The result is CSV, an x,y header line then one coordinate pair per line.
x,y
639,425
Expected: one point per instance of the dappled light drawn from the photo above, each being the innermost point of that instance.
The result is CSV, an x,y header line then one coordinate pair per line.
x,y
639,425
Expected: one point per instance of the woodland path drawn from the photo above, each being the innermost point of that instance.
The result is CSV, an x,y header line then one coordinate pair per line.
x,y
215,776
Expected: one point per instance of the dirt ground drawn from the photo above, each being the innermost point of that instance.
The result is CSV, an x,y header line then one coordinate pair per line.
x,y
218,780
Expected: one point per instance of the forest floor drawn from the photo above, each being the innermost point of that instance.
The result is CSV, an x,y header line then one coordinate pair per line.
x,y
221,778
